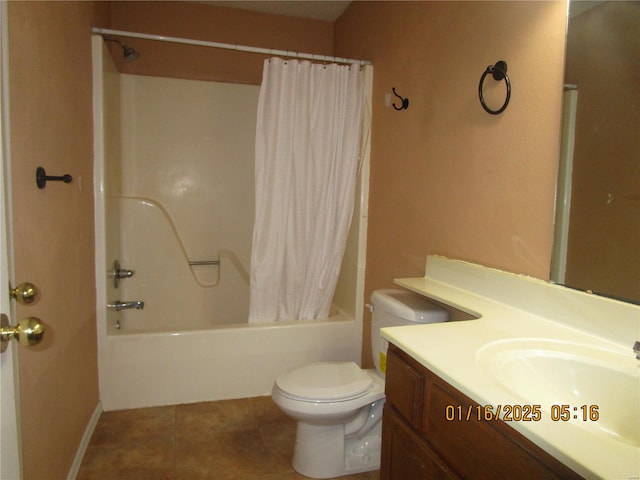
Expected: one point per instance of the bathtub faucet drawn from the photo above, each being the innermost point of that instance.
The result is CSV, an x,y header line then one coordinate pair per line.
x,y
118,305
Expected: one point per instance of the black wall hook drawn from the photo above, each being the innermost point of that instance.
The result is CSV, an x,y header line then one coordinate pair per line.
x,y
42,178
499,72
405,101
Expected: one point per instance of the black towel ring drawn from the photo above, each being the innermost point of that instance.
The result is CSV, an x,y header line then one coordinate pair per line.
x,y
499,72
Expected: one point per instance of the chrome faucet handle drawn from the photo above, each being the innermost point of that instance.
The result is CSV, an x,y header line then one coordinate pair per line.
x,y
636,349
117,273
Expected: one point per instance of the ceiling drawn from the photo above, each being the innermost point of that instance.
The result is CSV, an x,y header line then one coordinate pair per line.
x,y
328,10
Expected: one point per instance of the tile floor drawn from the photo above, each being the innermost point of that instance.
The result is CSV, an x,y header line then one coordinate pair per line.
x,y
246,439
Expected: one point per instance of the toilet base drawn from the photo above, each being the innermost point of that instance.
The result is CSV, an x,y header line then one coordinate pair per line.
x,y
323,451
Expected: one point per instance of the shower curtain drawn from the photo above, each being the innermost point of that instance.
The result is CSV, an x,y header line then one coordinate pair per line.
x,y
307,151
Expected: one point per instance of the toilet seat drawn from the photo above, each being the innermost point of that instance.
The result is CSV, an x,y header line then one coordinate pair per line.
x,y
327,412
325,382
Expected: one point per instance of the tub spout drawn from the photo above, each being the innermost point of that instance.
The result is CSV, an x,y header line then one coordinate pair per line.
x,y
118,305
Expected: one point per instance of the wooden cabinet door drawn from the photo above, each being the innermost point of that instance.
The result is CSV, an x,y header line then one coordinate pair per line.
x,y
405,456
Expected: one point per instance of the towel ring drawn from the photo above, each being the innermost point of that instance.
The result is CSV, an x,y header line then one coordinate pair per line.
x,y
499,72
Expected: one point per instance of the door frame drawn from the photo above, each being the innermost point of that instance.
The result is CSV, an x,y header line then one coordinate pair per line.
x,y
564,185
10,451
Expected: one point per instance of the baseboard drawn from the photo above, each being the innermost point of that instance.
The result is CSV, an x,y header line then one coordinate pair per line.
x,y
84,442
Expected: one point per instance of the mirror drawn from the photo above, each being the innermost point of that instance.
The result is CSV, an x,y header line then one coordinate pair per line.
x,y
597,234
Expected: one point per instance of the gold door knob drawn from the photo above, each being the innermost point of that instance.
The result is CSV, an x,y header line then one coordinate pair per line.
x,y
29,331
26,293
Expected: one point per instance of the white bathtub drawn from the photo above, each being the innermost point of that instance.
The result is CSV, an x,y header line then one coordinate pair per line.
x,y
191,342
236,361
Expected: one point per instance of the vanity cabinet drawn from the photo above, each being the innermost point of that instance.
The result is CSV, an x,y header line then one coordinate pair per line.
x,y
426,434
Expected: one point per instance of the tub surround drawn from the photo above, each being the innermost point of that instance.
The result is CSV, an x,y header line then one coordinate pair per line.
x,y
532,314
199,297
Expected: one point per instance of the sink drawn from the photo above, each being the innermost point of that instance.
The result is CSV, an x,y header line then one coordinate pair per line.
x,y
600,387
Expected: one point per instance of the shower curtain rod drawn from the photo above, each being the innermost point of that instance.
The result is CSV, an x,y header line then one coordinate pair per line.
x,y
229,46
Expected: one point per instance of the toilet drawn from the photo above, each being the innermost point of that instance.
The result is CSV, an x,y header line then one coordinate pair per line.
x,y
338,405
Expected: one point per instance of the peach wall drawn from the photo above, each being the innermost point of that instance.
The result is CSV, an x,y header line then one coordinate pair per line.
x,y
212,23
604,232
51,122
446,177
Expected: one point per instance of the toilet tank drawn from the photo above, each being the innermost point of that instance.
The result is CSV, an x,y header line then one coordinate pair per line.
x,y
393,308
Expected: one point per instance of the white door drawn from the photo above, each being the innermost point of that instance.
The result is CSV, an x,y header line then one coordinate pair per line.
x,y
9,449
10,465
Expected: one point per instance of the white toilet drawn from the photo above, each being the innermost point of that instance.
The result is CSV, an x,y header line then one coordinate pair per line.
x,y
338,405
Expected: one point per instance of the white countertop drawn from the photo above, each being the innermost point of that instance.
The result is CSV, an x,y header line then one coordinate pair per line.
x,y
509,307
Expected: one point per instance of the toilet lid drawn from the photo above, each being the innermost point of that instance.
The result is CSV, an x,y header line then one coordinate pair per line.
x,y
325,381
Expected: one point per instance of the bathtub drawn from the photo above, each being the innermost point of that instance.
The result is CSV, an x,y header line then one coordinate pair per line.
x,y
191,342
234,361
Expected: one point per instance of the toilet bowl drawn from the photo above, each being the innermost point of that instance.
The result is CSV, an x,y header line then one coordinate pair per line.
x,y
338,405
335,433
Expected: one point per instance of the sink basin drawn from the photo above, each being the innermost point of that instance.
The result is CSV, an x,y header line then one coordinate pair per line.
x,y
599,387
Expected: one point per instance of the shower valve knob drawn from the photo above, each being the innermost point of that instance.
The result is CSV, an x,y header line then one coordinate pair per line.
x,y
125,273
117,273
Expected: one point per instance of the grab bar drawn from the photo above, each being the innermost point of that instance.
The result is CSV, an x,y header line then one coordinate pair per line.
x,y
204,262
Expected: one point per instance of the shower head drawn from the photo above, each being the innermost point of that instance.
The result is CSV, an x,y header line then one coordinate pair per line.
x,y
129,53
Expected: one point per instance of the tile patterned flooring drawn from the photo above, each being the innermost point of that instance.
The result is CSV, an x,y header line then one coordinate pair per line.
x,y
245,439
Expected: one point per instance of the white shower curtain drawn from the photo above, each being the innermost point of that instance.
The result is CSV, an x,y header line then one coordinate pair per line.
x,y
307,151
